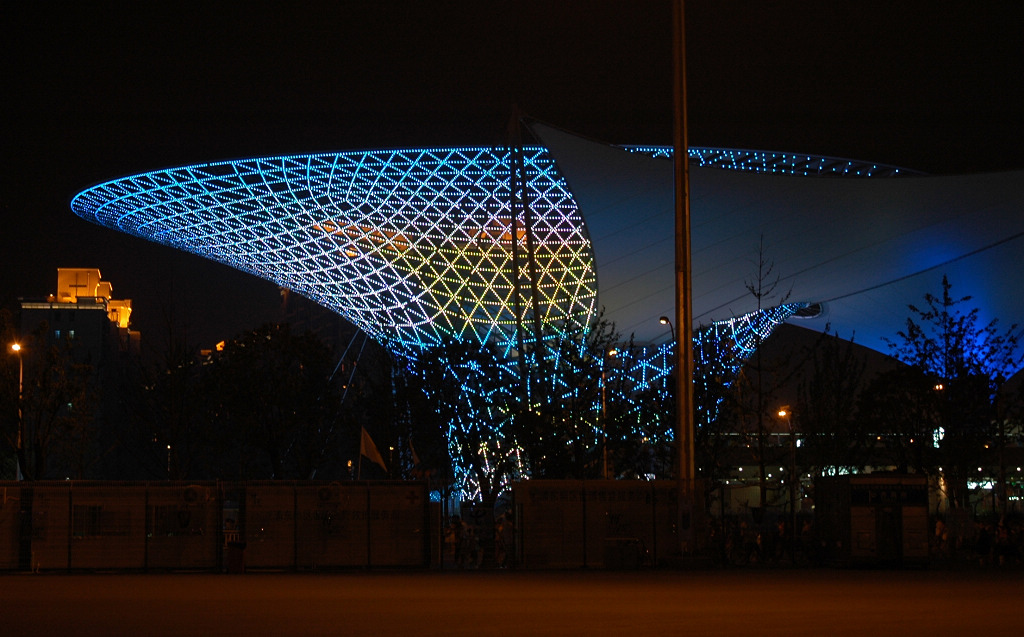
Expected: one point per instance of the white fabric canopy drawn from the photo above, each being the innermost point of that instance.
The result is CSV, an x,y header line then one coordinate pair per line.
x,y
864,248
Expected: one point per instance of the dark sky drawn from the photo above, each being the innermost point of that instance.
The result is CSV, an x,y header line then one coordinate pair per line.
x,y
98,92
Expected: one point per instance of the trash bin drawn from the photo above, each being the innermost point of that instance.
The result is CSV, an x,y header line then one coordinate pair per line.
x,y
236,557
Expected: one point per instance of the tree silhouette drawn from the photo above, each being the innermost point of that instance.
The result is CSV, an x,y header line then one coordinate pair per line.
x,y
967,363
759,381
473,394
58,407
270,406
835,439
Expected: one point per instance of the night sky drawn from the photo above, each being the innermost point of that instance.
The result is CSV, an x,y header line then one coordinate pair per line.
x,y
98,92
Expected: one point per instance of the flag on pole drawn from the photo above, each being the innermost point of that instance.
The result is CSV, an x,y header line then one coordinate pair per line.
x,y
368,449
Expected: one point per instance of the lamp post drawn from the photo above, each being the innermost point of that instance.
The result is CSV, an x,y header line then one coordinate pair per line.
x,y
612,352
20,444
664,320
671,328
683,288
787,414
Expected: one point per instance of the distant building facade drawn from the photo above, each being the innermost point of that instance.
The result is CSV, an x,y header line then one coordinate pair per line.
x,y
83,315
79,351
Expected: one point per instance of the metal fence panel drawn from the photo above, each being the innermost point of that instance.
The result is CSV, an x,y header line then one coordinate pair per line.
x,y
183,526
331,529
51,527
397,524
108,527
550,519
10,527
269,525
594,524
213,525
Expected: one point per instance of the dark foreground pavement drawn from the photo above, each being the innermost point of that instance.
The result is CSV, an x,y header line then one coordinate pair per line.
x,y
520,604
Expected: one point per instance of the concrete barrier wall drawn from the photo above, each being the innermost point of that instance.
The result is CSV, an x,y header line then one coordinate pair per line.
x,y
550,520
10,520
259,525
331,530
397,525
269,526
108,530
595,524
184,526
50,513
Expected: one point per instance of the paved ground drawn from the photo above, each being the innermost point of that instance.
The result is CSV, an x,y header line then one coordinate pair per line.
x,y
739,602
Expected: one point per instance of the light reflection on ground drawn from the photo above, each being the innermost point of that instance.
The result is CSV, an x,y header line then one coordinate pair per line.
x,y
779,602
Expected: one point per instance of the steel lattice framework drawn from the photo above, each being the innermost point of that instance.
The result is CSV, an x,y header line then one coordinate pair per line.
x,y
414,247
719,351
419,248
761,161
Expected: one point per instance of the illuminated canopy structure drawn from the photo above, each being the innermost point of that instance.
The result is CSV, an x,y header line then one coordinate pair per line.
x,y
414,247
419,246
501,246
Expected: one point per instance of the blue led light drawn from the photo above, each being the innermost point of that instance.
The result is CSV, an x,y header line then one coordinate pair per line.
x,y
415,247
776,163
719,349
422,247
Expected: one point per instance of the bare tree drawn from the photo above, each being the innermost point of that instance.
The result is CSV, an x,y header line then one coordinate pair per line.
x,y
58,406
760,380
835,439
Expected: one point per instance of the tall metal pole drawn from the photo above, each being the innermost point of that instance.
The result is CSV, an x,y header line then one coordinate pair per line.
x,y
794,478
514,141
604,425
604,412
519,204
20,443
684,319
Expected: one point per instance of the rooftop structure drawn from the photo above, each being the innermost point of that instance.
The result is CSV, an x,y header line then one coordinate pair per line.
x,y
419,246
83,312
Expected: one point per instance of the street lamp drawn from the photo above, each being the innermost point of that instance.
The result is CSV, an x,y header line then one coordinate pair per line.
x,y
664,320
612,352
787,414
19,446
671,329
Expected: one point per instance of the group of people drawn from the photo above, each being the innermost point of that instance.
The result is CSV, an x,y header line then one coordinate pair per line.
x,y
999,543
464,544
739,543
